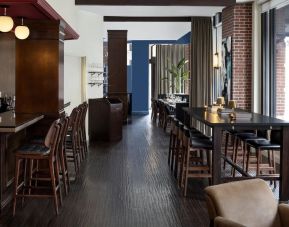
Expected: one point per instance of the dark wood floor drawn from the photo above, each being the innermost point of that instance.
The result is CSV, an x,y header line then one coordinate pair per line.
x,y
121,185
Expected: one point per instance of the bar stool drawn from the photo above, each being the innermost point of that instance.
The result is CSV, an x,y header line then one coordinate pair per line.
x,y
173,136
268,163
193,163
168,116
243,138
238,138
64,120
80,133
37,152
83,131
178,150
62,154
72,140
155,111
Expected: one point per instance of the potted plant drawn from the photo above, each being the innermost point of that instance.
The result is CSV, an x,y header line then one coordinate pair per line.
x,y
178,73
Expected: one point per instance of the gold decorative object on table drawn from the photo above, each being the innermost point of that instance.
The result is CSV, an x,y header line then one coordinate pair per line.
x,y
232,104
220,100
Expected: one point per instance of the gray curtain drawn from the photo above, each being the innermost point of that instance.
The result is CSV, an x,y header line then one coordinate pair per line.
x,y
201,66
166,55
201,61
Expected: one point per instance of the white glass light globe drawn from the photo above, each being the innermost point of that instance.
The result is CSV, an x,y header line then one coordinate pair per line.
x,y
22,32
6,24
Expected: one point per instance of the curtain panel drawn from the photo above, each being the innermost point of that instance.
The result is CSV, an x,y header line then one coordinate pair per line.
x,y
201,62
166,55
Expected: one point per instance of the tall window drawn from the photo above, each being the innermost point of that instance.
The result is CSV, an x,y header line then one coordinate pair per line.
x,y
275,62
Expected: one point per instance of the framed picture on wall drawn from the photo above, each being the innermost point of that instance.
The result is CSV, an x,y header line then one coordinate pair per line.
x,y
227,67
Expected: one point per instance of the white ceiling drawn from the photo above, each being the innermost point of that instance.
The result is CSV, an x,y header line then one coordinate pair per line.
x,y
157,11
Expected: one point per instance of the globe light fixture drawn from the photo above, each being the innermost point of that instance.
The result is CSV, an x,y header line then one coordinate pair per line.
x,y
22,31
6,22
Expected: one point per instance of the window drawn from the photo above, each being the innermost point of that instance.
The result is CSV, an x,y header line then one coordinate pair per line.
x,y
275,62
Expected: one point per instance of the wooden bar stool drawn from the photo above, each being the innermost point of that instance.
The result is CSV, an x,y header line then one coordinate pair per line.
x,y
83,130
37,152
173,136
194,165
264,165
72,141
178,149
81,144
62,154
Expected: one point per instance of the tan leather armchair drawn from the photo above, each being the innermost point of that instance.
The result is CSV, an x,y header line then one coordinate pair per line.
x,y
248,203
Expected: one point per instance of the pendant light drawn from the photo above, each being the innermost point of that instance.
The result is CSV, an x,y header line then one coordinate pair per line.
x,y
22,31
6,22
216,60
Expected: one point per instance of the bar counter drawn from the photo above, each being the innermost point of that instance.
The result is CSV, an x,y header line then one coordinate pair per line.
x,y
13,134
14,122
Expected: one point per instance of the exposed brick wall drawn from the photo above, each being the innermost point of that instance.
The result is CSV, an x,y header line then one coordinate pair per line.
x,y
280,78
237,23
280,61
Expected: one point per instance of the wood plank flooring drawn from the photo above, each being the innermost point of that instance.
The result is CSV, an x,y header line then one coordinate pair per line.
x,y
125,184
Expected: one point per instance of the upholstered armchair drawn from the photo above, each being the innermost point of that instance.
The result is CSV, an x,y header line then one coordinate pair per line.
x,y
248,203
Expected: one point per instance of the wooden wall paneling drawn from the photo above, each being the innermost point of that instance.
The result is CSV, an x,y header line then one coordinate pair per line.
x,y
39,70
117,61
7,63
117,67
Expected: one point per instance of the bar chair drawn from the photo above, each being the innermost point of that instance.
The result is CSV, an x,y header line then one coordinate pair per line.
x,y
46,153
72,146
83,130
155,111
263,163
194,164
178,150
173,137
62,154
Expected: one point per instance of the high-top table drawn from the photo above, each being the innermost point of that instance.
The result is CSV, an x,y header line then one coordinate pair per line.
x,y
218,123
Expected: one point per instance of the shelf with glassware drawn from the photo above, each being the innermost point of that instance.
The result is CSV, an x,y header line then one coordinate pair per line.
x,y
96,78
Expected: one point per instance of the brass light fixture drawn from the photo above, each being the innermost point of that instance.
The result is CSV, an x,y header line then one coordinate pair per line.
x,y
6,22
216,60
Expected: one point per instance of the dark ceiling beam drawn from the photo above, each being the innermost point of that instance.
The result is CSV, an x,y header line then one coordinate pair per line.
x,y
158,2
146,19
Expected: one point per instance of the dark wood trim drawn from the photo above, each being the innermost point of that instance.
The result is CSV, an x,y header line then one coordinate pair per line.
x,y
158,2
146,19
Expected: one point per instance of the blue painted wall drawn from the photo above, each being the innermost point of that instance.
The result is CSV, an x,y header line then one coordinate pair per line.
x,y
185,39
138,72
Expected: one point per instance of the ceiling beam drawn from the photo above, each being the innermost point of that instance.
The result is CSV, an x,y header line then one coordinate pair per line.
x,y
146,19
158,2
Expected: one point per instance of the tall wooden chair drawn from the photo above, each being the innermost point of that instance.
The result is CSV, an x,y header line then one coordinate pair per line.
x,y
46,153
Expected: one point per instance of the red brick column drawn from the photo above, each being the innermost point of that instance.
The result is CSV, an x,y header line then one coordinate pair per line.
x,y
237,23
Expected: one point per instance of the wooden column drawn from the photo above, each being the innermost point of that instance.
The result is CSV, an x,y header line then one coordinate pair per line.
x,y
117,67
40,72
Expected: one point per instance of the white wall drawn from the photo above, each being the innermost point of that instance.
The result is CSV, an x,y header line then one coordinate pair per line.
x,y
72,80
150,30
90,45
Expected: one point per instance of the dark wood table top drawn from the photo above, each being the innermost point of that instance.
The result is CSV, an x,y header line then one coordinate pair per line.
x,y
215,119
14,122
